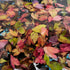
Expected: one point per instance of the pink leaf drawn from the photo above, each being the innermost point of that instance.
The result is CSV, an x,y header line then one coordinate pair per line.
x,y
68,9
57,18
14,61
37,5
3,43
60,5
44,31
50,51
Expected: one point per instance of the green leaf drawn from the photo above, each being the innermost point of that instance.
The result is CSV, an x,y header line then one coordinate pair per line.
x,y
56,25
38,28
34,36
28,3
21,30
14,41
18,24
46,58
2,60
64,39
55,66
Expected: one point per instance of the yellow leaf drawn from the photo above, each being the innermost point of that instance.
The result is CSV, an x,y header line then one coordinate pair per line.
x,y
2,60
34,16
34,36
53,12
38,28
3,17
16,52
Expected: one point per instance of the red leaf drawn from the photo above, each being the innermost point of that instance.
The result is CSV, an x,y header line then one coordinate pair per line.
x,y
65,47
14,61
38,53
49,6
3,43
20,44
50,19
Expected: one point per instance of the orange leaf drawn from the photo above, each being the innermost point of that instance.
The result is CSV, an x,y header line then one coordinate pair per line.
x,y
12,22
8,48
13,33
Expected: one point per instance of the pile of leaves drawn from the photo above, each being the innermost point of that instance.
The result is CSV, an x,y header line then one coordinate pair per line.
x,y
34,33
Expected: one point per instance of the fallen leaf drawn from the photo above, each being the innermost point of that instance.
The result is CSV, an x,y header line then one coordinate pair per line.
x,y
57,18
13,33
53,12
8,48
2,60
38,28
44,31
50,51
3,43
14,61
34,36
3,17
